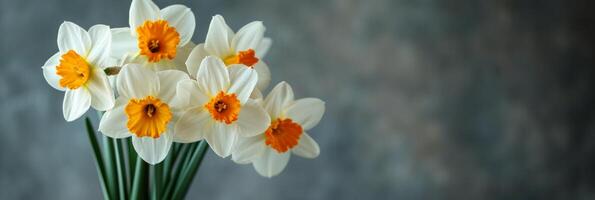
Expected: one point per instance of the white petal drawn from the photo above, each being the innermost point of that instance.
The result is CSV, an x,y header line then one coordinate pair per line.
x,y
264,75
279,98
153,150
218,38
182,55
135,81
192,125
256,95
253,120
123,43
307,147
263,47
243,80
73,37
141,11
168,81
271,163
248,37
195,58
307,112
181,18
102,95
113,123
221,138
188,95
101,39
49,72
76,103
248,149
213,76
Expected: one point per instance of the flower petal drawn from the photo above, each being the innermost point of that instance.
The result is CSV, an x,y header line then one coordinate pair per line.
x,y
73,37
188,95
263,47
122,43
195,58
168,81
135,81
102,95
253,120
264,75
113,123
248,37
212,76
192,125
182,56
181,18
279,98
221,138
271,163
101,39
307,112
248,149
153,150
76,103
243,81
49,72
307,147
218,38
141,11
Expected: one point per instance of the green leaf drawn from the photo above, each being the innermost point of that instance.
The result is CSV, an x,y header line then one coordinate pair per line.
x,y
188,174
140,180
120,168
98,157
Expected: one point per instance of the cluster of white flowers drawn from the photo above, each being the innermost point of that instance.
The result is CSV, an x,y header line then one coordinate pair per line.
x,y
156,86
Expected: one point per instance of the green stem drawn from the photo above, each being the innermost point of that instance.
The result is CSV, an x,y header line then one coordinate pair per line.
x,y
178,164
156,175
131,158
120,168
110,166
139,182
188,174
98,157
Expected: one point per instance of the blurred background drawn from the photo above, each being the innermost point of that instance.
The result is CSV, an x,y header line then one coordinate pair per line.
x,y
425,99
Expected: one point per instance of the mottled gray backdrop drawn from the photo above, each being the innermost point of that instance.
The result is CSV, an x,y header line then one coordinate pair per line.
x,y
425,99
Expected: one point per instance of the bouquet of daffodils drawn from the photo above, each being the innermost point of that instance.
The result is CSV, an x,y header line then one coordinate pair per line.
x,y
164,101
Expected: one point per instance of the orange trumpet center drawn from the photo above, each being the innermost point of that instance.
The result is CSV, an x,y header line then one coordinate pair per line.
x,y
283,134
74,70
157,40
247,58
147,117
224,107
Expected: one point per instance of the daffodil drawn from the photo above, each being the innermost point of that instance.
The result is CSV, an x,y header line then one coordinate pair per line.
x,y
159,39
219,107
270,150
245,48
144,110
77,69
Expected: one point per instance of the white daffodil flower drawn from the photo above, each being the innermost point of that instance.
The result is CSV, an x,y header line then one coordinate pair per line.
x,y
144,110
270,150
218,106
247,47
77,69
159,39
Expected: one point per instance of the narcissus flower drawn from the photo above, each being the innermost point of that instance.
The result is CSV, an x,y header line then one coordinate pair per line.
x,y
160,39
144,110
77,69
246,48
218,106
270,150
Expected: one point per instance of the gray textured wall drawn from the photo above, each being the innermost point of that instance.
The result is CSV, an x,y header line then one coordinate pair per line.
x,y
425,99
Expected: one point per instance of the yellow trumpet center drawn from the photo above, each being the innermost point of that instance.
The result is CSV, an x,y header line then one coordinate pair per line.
x,y
283,134
224,107
147,117
157,40
74,70
247,58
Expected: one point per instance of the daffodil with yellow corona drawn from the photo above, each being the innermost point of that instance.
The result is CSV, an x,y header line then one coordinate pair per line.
x,y
77,69
158,39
